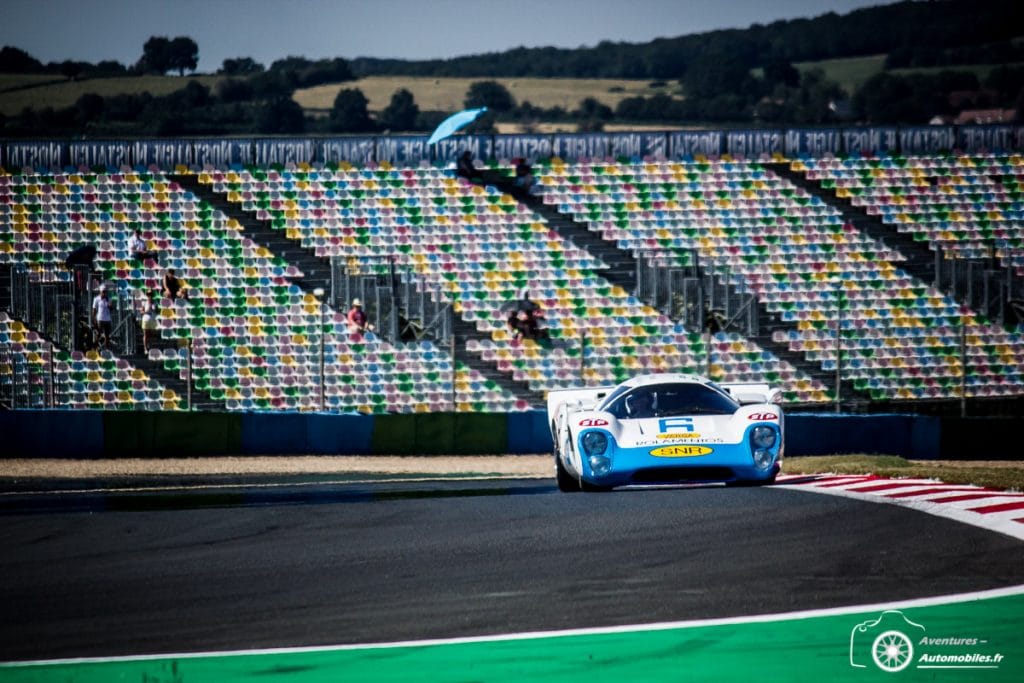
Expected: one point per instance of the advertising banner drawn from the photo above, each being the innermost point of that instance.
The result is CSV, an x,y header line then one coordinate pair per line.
x,y
531,147
165,154
638,145
927,139
222,154
813,141
38,154
753,143
997,138
110,153
451,148
691,143
358,151
283,151
580,145
870,140
406,149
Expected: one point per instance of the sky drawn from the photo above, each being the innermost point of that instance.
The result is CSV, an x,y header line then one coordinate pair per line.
x,y
266,30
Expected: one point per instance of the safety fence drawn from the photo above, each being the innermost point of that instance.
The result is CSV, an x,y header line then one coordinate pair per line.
x,y
94,434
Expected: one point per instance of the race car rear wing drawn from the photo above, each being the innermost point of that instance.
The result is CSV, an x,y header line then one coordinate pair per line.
x,y
584,398
750,393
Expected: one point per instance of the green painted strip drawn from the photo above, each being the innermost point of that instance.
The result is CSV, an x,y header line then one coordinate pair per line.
x,y
813,649
161,434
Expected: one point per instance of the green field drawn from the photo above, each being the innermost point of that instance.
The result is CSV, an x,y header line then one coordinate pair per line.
x,y
996,474
431,94
449,94
850,73
65,94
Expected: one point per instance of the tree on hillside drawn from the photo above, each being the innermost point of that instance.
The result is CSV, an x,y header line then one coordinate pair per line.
x,y
281,115
155,56
15,61
304,73
184,54
242,66
401,113
716,72
160,55
349,113
490,94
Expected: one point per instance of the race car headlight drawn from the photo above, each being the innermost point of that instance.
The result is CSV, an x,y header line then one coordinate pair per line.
x,y
762,437
763,458
595,447
595,443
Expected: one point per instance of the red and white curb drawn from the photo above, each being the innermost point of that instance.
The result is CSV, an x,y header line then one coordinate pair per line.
x,y
992,509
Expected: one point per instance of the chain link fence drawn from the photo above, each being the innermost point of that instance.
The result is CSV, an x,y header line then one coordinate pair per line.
x,y
394,300
979,283
700,298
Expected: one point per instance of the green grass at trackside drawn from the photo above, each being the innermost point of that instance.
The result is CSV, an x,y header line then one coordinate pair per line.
x,y
1009,475
808,649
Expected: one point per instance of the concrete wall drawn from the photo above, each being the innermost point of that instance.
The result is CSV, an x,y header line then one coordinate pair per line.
x,y
87,434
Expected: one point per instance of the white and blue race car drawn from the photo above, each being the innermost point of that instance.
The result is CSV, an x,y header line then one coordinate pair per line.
x,y
665,429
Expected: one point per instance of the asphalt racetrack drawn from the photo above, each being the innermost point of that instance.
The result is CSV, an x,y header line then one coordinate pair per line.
x,y
107,575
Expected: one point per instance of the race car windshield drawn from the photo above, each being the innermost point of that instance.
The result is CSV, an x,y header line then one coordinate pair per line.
x,y
670,400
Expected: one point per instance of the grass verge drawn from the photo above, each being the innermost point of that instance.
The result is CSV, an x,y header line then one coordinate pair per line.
x,y
993,474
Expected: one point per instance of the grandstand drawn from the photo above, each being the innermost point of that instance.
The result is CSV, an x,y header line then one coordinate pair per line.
x,y
879,281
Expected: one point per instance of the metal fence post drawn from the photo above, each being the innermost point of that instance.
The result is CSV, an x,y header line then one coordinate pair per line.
x,y
839,347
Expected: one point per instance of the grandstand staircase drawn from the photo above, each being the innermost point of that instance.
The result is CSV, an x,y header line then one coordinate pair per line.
x,y
920,262
521,390
622,266
622,271
201,400
315,271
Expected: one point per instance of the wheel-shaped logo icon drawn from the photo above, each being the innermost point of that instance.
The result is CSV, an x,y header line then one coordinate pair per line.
x,y
892,651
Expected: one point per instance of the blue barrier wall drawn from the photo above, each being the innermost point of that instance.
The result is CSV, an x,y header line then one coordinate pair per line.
x,y
93,434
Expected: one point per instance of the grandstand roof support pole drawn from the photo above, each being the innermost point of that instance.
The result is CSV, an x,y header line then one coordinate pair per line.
x,y
963,367
707,353
583,354
188,374
52,398
455,404
319,293
839,347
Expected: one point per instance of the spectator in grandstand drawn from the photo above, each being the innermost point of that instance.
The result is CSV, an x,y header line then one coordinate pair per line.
x,y
524,183
173,286
466,168
101,319
524,319
408,330
149,322
139,250
358,322
715,321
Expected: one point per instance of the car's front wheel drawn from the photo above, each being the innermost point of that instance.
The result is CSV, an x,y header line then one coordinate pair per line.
x,y
566,482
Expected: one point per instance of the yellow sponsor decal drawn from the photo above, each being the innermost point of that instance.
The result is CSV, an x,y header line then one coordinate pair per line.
x,y
681,451
680,435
